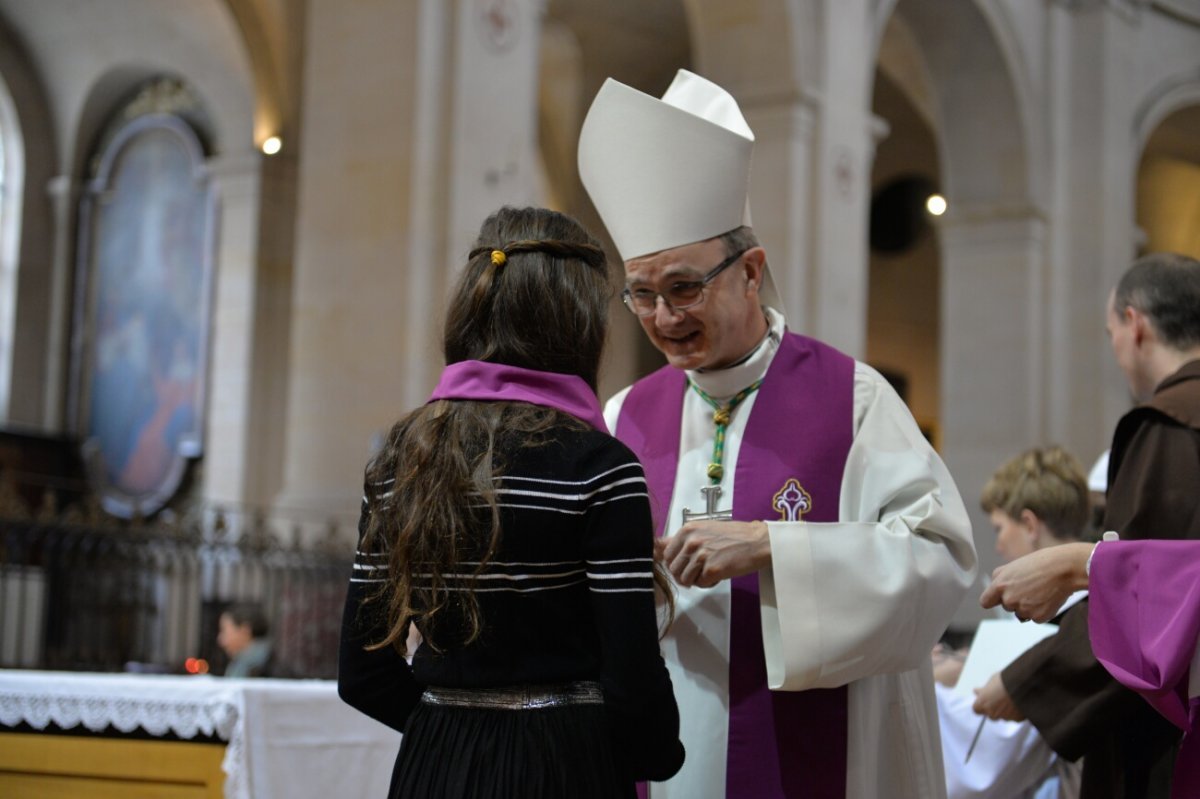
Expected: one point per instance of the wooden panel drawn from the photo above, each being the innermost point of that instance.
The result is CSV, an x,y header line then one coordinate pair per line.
x,y
38,786
52,766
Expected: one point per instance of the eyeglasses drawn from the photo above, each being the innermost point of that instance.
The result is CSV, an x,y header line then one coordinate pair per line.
x,y
678,296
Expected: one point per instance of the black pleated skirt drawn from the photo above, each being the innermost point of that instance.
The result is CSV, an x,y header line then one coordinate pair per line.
x,y
452,752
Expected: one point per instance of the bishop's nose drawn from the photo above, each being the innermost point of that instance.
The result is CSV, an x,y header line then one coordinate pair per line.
x,y
666,315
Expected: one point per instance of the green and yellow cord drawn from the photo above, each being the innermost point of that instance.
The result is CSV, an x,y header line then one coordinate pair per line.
x,y
721,416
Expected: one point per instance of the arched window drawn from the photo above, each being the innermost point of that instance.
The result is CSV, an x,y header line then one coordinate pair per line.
x,y
11,184
141,327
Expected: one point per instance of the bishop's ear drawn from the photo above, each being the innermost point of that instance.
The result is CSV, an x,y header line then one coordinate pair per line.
x,y
754,262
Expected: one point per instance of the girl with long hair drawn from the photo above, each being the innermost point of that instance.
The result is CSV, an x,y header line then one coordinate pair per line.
x,y
505,525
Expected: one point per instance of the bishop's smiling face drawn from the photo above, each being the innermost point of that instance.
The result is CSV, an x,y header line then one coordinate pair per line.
x,y
724,326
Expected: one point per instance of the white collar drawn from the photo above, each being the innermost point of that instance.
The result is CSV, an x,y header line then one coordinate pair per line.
x,y
1073,599
722,384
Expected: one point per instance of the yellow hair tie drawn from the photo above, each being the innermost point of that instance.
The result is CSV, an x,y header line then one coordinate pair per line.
x,y
499,258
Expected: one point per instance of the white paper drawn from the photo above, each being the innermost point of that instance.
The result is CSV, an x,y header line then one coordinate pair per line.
x,y
997,643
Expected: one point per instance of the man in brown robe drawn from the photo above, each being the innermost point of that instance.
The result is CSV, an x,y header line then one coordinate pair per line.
x,y
1153,492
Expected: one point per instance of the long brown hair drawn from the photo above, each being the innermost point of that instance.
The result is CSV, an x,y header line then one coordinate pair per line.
x,y
534,294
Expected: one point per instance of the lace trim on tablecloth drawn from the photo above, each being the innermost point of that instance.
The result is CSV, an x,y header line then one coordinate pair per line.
x,y
186,717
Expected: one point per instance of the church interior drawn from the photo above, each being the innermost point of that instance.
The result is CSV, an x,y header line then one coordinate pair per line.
x,y
228,229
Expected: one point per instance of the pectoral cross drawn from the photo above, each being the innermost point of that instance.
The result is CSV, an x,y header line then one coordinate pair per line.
x,y
712,495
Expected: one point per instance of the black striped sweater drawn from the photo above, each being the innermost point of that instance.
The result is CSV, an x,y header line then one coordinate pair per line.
x,y
568,596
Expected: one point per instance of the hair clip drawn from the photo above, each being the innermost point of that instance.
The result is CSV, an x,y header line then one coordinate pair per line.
x,y
499,258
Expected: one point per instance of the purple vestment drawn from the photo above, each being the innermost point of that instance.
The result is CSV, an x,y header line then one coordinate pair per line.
x,y
1144,621
781,743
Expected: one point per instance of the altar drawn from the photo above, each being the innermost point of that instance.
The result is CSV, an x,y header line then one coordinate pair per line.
x,y
229,738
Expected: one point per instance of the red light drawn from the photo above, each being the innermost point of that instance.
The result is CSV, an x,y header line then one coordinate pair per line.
x,y
195,666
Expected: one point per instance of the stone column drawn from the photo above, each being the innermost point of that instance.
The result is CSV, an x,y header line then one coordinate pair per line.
x,y
992,340
781,198
427,221
493,156
410,139
845,148
63,193
276,236
347,352
474,150
228,446
799,74
1093,90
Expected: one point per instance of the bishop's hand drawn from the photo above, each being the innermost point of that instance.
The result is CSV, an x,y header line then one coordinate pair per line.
x,y
703,553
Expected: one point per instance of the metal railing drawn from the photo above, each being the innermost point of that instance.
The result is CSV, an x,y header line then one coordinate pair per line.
x,y
80,590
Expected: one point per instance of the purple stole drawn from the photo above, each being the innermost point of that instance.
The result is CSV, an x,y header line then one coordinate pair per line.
x,y
1143,622
781,743
484,381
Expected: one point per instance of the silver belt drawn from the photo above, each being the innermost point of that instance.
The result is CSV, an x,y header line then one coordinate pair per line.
x,y
528,697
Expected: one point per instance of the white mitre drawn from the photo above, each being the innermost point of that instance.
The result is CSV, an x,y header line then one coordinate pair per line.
x,y
665,173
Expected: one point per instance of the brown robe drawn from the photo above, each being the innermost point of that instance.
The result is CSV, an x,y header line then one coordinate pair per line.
x,y
1153,492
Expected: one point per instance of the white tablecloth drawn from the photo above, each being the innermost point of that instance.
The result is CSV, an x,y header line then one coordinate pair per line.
x,y
286,738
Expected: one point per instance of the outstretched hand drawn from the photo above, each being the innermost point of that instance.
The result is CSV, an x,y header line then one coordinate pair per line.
x,y
1036,585
703,553
993,701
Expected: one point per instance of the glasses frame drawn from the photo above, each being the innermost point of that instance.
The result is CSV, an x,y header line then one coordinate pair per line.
x,y
702,284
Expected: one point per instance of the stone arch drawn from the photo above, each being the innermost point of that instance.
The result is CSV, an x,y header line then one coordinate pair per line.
x,y
25,257
578,54
991,238
104,97
580,35
983,114
762,51
228,89
241,58
768,54
84,51
772,56
1167,97
271,29
1167,134
904,266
